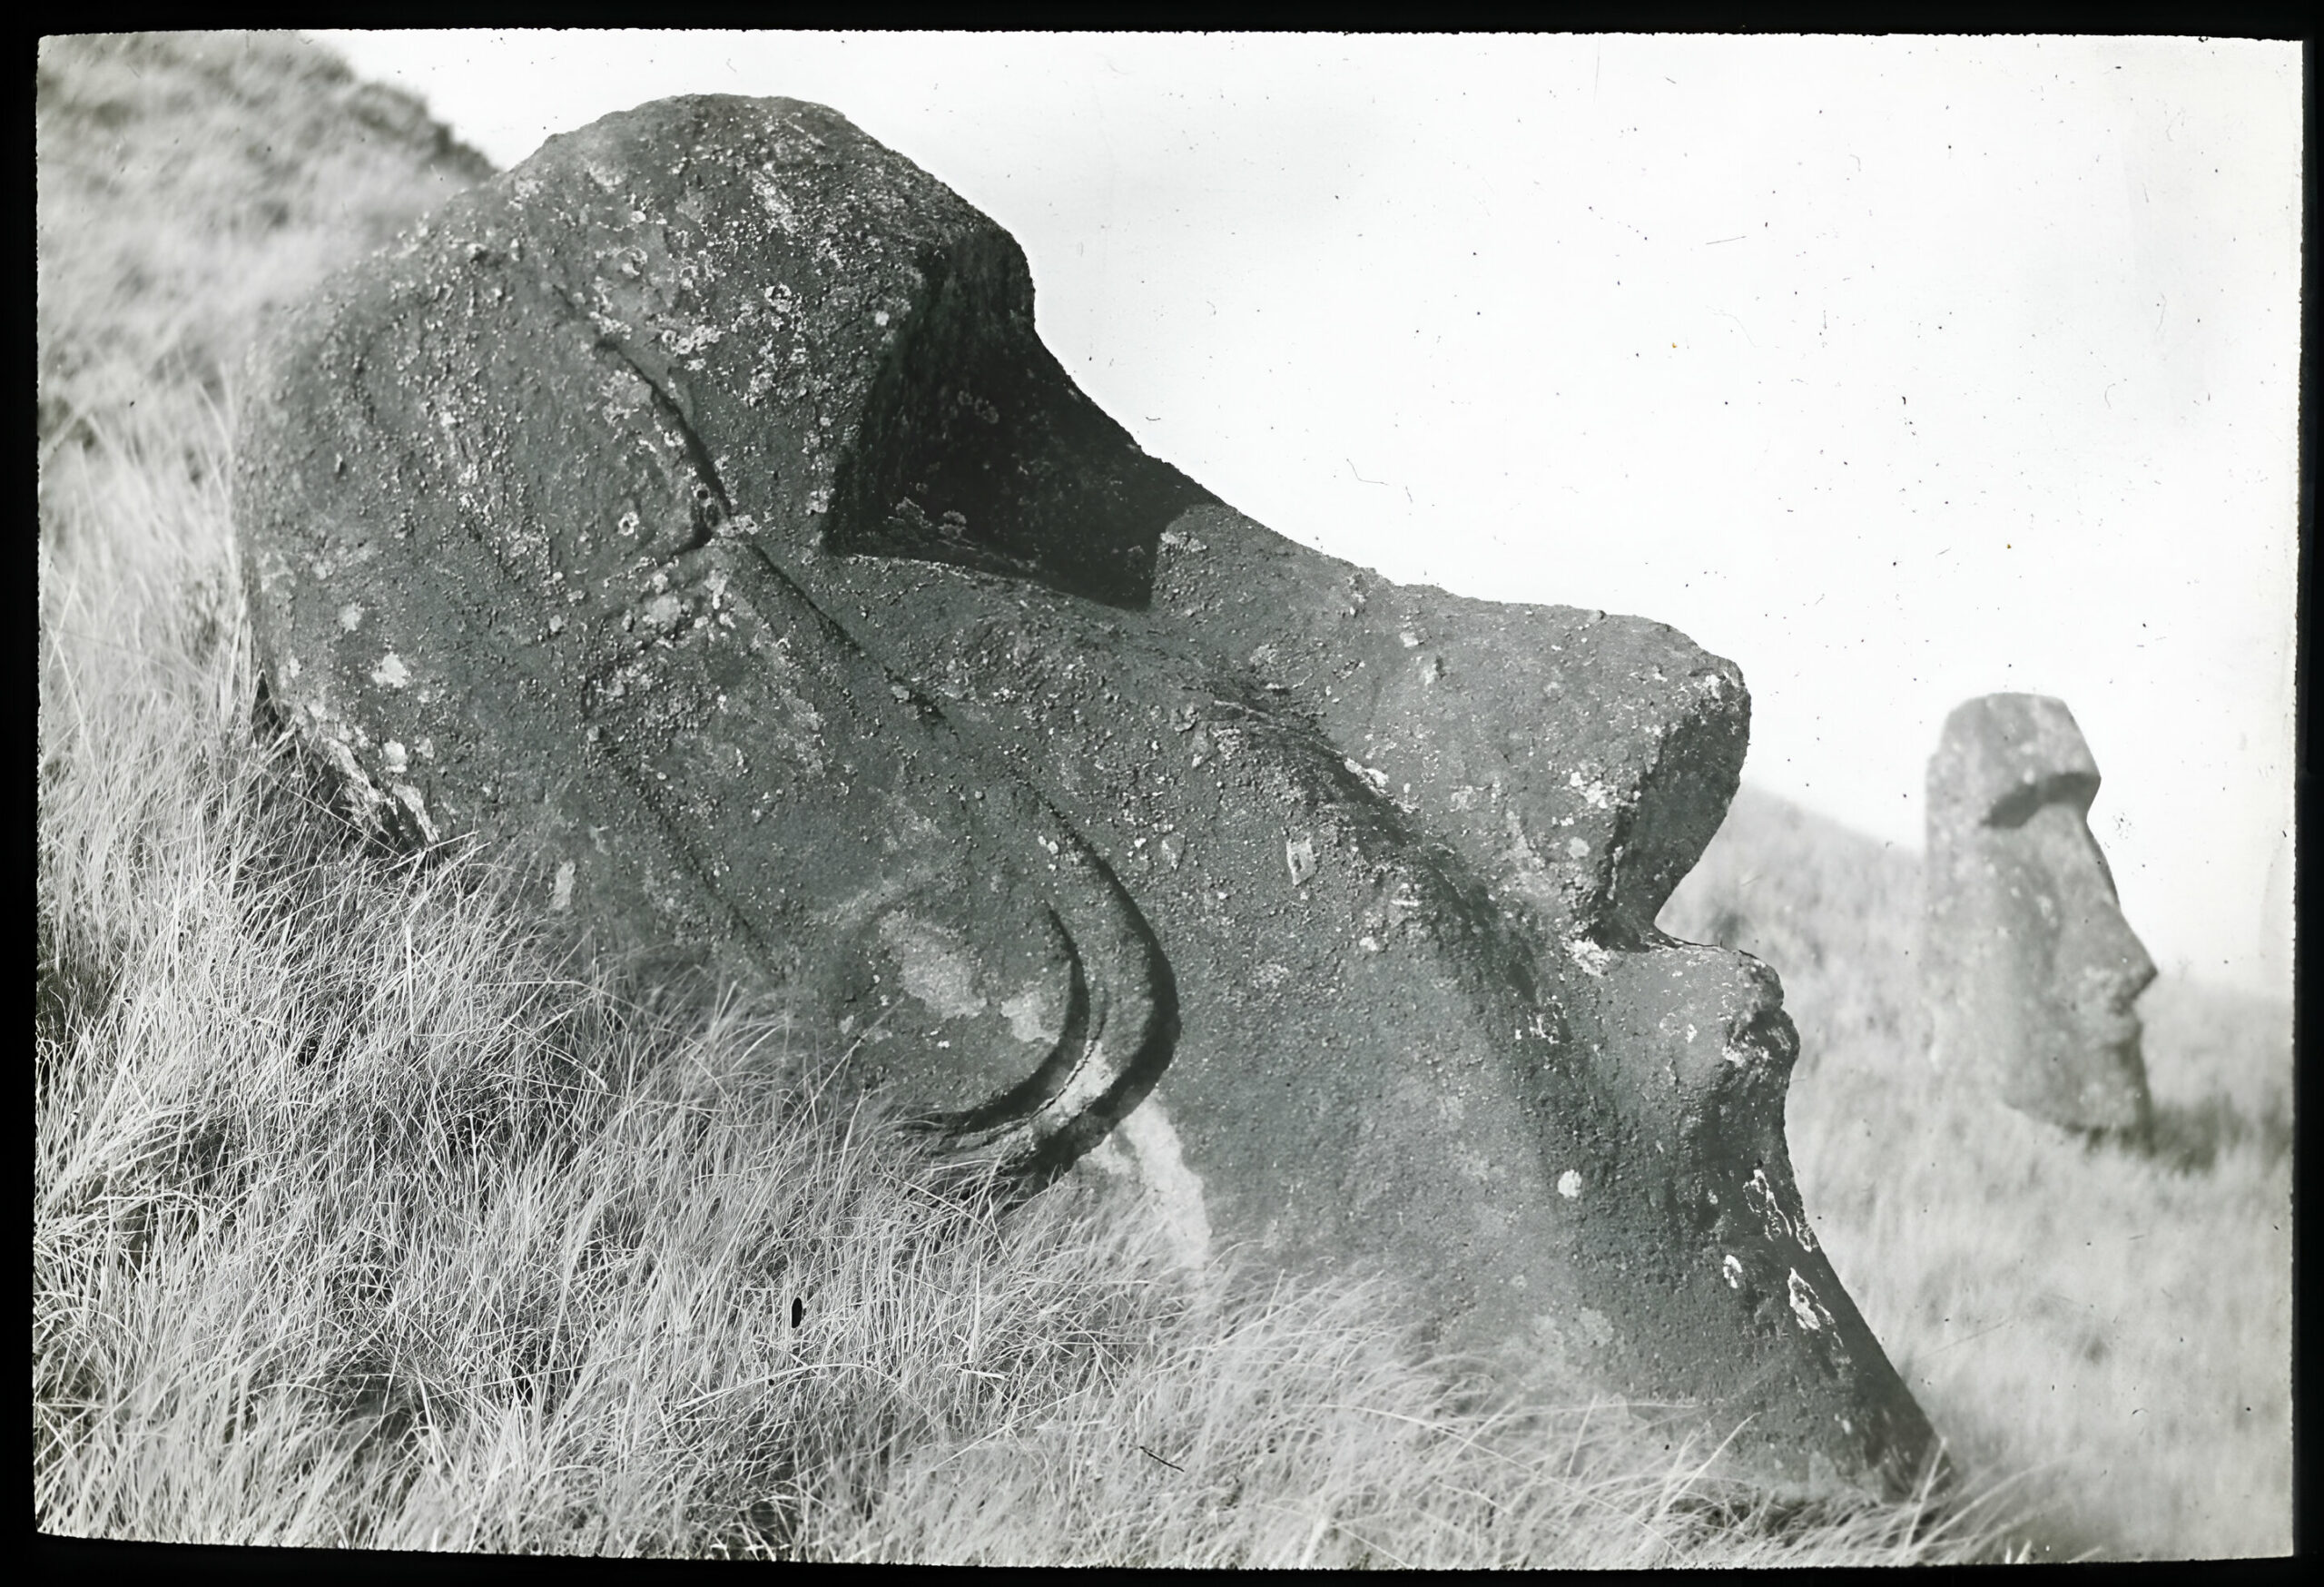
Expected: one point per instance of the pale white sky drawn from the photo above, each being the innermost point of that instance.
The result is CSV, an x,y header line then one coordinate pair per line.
x,y
1898,370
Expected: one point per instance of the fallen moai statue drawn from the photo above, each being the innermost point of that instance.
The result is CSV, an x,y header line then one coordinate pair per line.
x,y
2030,970
697,501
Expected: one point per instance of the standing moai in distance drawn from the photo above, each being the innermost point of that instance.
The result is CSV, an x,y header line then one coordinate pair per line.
x,y
2030,968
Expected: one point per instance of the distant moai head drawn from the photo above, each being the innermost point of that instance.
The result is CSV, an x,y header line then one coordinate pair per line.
x,y
2030,968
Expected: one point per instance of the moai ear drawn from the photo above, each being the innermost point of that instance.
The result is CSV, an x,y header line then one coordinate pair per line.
x,y
509,608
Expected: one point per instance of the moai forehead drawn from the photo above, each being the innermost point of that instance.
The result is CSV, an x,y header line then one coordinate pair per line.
x,y
738,543
2003,755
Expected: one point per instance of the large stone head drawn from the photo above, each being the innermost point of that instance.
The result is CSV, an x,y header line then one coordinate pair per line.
x,y
697,502
2031,968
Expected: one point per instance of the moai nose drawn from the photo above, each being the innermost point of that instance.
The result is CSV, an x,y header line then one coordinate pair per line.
x,y
1706,1053
1729,1298
2101,938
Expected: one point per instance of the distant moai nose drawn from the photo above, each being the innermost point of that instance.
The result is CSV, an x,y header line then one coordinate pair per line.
x,y
2028,965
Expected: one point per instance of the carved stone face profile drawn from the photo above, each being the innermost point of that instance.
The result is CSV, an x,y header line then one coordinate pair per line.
x,y
719,524
2031,968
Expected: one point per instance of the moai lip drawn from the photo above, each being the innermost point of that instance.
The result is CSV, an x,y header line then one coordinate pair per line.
x,y
697,502
2030,970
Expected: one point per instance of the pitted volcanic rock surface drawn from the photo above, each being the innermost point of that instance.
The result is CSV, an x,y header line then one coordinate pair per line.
x,y
695,506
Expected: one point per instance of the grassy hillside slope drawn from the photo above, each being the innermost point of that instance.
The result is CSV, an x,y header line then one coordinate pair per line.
x,y
187,185
361,1219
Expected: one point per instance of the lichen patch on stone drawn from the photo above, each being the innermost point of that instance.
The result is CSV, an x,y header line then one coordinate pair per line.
x,y
1037,1014
411,800
1299,858
934,965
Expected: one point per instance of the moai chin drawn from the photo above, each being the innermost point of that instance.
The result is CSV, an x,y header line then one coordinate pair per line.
x,y
2030,968
696,503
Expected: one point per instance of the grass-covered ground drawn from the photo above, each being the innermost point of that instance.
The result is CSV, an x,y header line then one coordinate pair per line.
x,y
363,1219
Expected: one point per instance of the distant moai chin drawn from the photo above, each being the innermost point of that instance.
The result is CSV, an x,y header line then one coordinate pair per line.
x,y
696,505
2029,966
